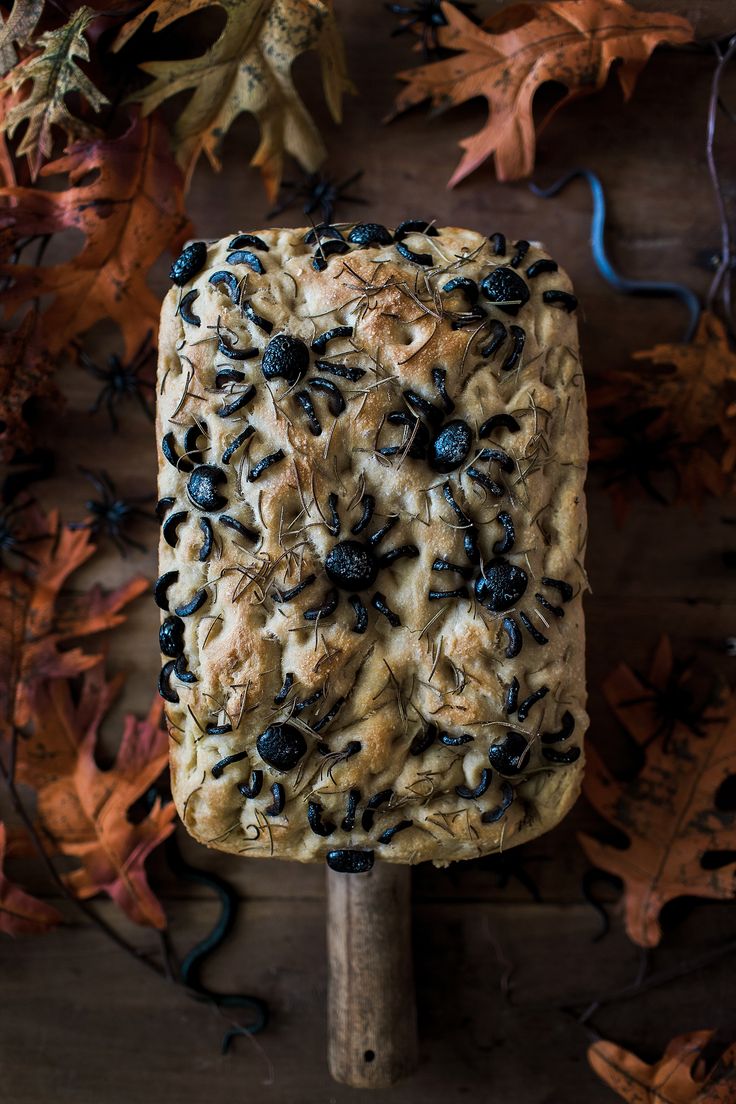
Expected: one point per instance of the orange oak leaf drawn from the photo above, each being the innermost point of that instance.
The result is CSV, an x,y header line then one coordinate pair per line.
x,y
679,1077
669,810
21,914
39,623
514,52
129,212
83,811
25,371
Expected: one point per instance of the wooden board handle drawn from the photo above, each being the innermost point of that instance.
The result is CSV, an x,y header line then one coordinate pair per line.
x,y
372,1023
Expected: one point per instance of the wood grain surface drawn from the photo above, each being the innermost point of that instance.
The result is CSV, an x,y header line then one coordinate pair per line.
x,y
371,1005
497,971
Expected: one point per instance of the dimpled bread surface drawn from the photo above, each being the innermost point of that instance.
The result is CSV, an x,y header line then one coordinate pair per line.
x,y
372,454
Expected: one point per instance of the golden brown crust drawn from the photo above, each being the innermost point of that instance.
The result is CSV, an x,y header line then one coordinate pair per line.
x,y
444,672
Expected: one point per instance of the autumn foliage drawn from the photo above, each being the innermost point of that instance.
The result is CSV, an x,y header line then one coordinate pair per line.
x,y
682,428
49,728
669,811
679,1077
511,54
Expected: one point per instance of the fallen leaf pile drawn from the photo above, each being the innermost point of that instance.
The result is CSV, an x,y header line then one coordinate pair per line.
x,y
669,811
684,398
679,1077
511,54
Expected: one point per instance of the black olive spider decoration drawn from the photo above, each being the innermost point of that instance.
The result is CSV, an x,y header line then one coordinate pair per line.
x,y
353,566
498,584
447,444
288,358
505,289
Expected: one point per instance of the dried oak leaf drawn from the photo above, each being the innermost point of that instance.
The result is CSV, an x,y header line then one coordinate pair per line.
x,y
82,811
38,623
21,914
679,1077
248,68
669,809
53,75
25,371
130,212
507,58
17,30
697,391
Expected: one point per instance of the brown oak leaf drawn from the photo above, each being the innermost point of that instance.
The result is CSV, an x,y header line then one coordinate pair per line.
x,y
21,914
53,75
679,1077
688,398
39,623
83,811
514,52
129,212
699,387
668,811
248,68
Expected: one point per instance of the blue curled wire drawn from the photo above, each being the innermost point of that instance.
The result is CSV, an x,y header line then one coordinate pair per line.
x,y
686,295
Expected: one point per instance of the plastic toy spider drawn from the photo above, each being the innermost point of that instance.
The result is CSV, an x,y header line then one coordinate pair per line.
x,y
673,703
121,381
12,540
112,515
499,584
353,566
636,450
428,17
319,192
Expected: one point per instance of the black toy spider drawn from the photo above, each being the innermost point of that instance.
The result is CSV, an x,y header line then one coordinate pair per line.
x,y
499,584
12,540
353,566
635,450
112,515
121,381
427,15
25,468
319,192
673,703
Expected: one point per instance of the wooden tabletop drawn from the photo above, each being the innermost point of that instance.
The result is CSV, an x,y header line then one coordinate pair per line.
x,y
82,1023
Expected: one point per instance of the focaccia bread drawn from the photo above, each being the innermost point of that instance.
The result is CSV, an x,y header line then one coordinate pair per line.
x,y
372,455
